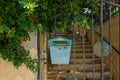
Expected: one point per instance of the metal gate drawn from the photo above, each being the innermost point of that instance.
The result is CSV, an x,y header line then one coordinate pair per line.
x,y
108,10
84,62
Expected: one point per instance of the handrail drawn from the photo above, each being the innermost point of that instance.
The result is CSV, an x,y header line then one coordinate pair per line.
x,y
109,43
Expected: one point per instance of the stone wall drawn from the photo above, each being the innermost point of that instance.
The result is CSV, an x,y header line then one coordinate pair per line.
x,y
9,72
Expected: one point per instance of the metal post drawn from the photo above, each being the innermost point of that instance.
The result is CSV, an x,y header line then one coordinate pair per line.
x,y
47,57
92,46
83,46
38,54
119,39
74,49
110,33
101,38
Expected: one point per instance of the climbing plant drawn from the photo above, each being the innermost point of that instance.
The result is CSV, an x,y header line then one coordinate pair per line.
x,y
20,17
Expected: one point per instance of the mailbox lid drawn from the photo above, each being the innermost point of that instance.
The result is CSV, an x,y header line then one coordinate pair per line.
x,y
60,41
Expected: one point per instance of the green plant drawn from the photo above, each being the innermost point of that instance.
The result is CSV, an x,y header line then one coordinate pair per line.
x,y
15,25
20,17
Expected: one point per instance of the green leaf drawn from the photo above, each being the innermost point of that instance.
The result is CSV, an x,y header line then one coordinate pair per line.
x,y
40,28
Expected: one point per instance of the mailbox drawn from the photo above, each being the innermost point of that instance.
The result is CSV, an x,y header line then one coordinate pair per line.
x,y
60,49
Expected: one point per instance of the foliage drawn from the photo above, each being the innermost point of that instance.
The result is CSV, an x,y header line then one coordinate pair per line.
x,y
15,25
20,17
68,11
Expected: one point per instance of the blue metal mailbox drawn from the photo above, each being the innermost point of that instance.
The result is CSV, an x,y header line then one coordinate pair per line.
x,y
60,49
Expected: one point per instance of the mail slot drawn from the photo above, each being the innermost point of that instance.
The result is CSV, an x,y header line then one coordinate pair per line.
x,y
60,49
60,43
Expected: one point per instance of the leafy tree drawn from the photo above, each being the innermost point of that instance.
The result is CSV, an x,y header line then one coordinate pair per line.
x,y
20,17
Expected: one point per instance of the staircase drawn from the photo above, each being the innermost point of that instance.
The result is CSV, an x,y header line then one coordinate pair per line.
x,y
82,66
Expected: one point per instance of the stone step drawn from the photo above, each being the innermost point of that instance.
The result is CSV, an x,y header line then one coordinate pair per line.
x,y
78,70
79,75
81,49
72,67
80,55
87,60
80,78
81,46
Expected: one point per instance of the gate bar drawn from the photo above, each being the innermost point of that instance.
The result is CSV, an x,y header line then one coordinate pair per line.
x,y
38,55
119,41
110,37
110,47
74,48
83,48
92,47
47,55
101,38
